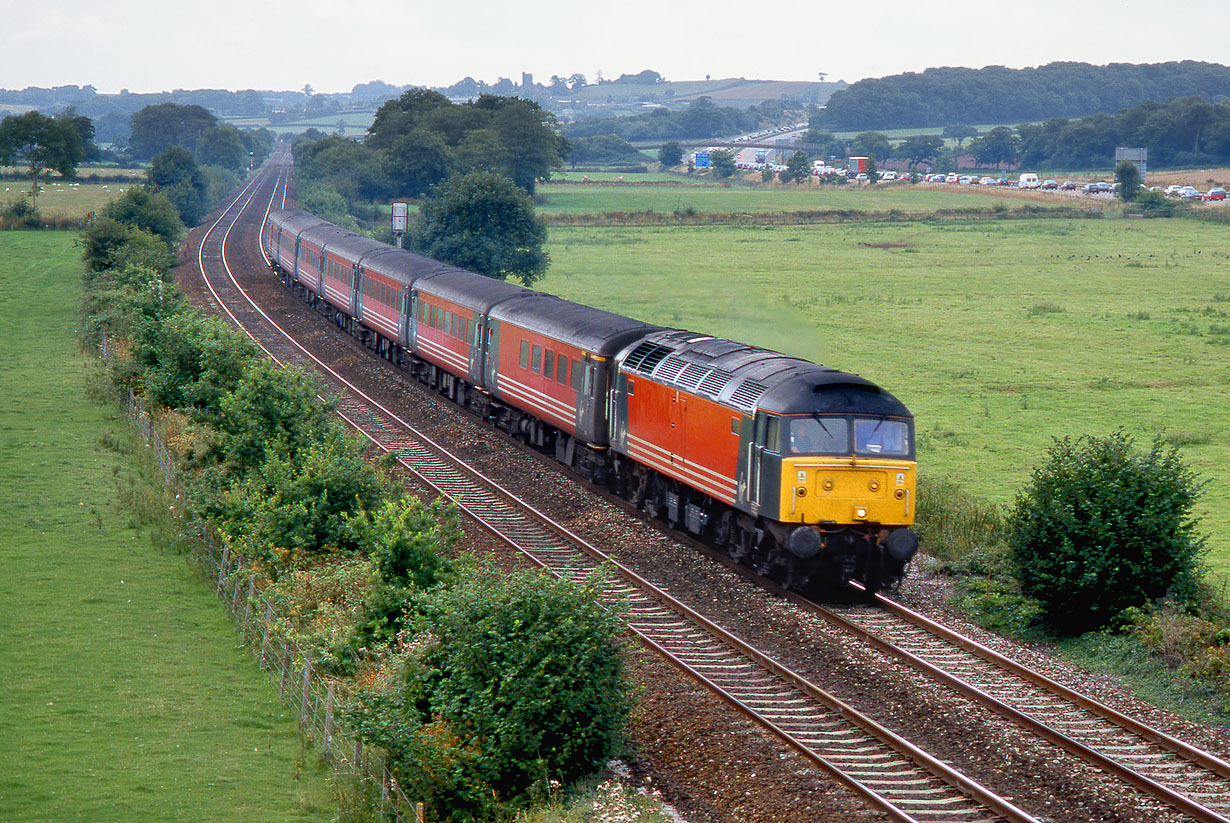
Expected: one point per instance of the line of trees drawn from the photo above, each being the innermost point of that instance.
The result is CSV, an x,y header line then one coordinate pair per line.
x,y
995,94
1183,131
421,139
700,120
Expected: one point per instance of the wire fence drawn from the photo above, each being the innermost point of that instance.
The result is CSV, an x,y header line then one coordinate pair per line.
x,y
306,690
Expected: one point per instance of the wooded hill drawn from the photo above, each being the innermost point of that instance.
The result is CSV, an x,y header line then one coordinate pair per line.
x,y
995,94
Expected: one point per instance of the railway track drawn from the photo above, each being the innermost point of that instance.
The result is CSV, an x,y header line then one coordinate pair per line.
x,y
895,777
1190,780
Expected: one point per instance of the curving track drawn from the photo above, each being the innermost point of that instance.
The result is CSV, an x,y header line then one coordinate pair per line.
x,y
895,777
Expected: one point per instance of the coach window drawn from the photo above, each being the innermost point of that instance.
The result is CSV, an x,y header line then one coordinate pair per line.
x,y
525,354
536,363
561,371
578,374
548,364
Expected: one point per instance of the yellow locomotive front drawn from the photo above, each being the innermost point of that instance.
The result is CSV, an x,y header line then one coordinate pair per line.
x,y
846,496
849,471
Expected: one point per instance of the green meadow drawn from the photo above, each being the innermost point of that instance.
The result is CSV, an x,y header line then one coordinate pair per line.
x,y
124,691
568,200
999,335
62,200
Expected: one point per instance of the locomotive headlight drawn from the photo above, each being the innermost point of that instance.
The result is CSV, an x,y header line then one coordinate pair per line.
x,y
874,485
828,485
860,513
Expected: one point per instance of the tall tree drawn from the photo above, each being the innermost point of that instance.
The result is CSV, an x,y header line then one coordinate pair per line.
x,y
919,148
40,143
722,162
176,174
670,155
483,222
798,168
154,128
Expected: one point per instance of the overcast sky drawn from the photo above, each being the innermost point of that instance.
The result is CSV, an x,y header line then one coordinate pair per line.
x,y
334,44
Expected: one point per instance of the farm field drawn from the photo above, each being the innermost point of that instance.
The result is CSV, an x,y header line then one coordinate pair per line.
x,y
998,335
125,694
57,199
567,200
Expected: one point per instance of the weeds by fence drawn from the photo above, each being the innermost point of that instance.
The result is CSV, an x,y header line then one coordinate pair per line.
x,y
306,691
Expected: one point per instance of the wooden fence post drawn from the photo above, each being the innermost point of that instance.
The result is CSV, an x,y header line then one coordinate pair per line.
x,y
283,692
226,559
307,685
329,718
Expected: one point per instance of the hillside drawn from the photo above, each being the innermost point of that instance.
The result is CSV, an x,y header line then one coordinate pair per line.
x,y
995,94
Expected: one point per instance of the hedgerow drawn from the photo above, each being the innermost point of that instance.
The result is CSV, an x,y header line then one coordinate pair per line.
x,y
352,563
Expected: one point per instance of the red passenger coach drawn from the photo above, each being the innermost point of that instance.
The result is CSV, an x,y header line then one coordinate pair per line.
x,y
449,324
554,360
310,264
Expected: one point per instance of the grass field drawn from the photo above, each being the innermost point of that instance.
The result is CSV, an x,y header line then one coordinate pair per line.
x,y
757,199
124,693
63,200
997,335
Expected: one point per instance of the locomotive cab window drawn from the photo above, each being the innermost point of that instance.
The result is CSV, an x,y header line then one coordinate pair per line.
x,y
819,435
888,438
631,387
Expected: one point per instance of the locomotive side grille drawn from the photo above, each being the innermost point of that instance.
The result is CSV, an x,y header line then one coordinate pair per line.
x,y
746,395
645,356
670,368
692,376
714,382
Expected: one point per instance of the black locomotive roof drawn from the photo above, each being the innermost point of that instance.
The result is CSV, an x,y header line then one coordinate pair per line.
x,y
475,291
750,378
593,330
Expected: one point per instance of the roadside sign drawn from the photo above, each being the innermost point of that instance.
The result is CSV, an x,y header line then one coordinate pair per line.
x,y
702,160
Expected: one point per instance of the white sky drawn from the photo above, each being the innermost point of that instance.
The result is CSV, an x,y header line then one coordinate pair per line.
x,y
334,44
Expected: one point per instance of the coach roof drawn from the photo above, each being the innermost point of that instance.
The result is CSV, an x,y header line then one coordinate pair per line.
x,y
593,330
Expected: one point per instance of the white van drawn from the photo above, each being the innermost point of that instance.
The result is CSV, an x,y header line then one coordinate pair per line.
x,y
1028,181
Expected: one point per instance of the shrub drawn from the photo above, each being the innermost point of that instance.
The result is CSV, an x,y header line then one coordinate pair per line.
x,y
521,682
1103,527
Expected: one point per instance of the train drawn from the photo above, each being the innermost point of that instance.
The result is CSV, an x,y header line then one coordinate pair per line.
x,y
804,473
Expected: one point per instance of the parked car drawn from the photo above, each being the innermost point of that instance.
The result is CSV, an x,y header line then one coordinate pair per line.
x,y
1068,185
1190,193
1214,194
1050,185
1174,189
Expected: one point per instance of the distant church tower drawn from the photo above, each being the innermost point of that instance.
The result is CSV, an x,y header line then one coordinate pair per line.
x,y
527,79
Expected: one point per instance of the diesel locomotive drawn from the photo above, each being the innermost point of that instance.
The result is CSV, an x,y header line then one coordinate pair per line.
x,y
804,473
